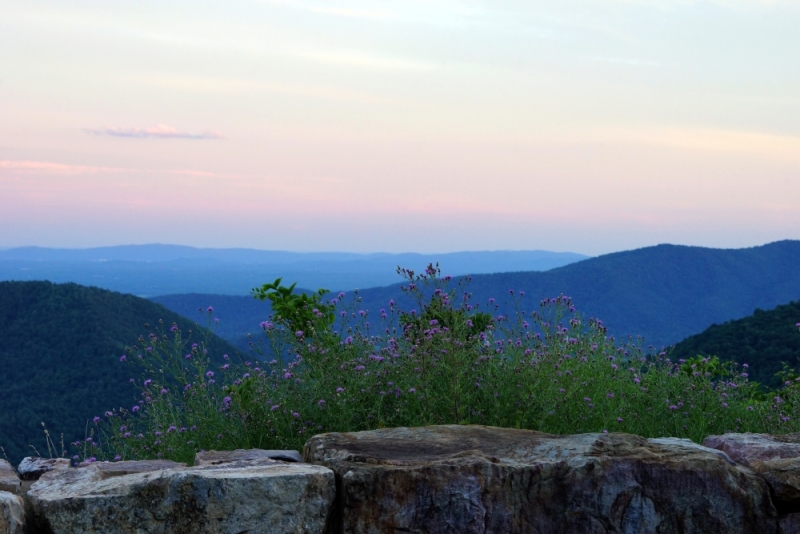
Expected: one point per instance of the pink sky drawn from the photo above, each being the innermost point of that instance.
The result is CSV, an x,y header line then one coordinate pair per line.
x,y
400,126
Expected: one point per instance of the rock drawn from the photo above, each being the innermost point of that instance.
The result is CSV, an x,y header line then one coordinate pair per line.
x,y
256,497
775,458
31,468
9,481
12,514
248,455
747,448
789,524
475,479
117,469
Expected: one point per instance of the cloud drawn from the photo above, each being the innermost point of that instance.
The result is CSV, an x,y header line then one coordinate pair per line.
x,y
46,167
359,59
159,131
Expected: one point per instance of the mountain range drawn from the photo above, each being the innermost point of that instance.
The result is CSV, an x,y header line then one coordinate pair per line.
x,y
151,270
663,293
766,340
60,348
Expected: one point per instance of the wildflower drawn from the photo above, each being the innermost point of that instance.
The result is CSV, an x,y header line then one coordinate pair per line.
x,y
299,333
750,408
273,408
295,415
95,420
321,402
619,419
123,358
135,409
673,408
412,390
209,374
339,390
164,391
147,382
210,309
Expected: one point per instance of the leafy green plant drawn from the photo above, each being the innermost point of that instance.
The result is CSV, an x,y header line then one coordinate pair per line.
x,y
447,362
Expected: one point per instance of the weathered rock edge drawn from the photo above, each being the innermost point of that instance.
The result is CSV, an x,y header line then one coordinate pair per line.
x,y
265,496
475,479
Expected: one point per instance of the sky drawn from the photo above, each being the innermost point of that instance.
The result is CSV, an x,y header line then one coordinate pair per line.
x,y
589,126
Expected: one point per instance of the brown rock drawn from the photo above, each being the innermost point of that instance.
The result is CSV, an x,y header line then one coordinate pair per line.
x,y
244,455
474,479
31,467
9,481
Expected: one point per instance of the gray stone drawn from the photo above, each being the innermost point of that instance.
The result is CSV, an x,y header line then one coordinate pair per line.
x,y
256,497
12,514
116,469
244,455
775,458
32,467
9,481
474,479
748,448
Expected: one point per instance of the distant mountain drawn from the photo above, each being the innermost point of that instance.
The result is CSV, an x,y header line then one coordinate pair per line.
x,y
766,339
59,353
664,293
149,270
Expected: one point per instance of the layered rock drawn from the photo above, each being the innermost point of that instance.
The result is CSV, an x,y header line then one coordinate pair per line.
x,y
9,481
255,496
246,455
776,459
12,514
473,479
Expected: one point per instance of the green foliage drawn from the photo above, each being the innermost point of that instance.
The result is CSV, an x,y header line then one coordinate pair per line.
x,y
765,340
60,346
299,312
545,368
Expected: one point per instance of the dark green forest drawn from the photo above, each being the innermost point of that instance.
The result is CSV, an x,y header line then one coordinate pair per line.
x,y
60,348
763,340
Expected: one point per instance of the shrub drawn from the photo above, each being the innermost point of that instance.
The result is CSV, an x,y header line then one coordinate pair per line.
x,y
451,362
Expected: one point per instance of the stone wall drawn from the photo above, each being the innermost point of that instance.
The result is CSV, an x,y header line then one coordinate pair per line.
x,y
450,479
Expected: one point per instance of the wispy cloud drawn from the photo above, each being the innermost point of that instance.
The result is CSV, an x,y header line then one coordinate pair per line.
x,y
159,131
46,167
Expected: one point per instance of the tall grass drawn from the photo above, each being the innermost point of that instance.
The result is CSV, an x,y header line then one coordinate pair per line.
x,y
452,362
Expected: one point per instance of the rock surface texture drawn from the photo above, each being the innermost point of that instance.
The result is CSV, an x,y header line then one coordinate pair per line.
x,y
12,514
249,455
241,496
9,481
776,459
473,479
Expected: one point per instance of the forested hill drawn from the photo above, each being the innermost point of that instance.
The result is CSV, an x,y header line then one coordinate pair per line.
x,y
60,346
767,338
664,293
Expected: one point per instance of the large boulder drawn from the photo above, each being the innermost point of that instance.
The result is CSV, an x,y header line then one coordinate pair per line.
x,y
775,458
9,481
242,496
475,479
12,513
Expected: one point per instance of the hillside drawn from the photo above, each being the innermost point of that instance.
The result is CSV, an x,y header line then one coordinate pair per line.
x,y
149,270
765,338
59,351
664,293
